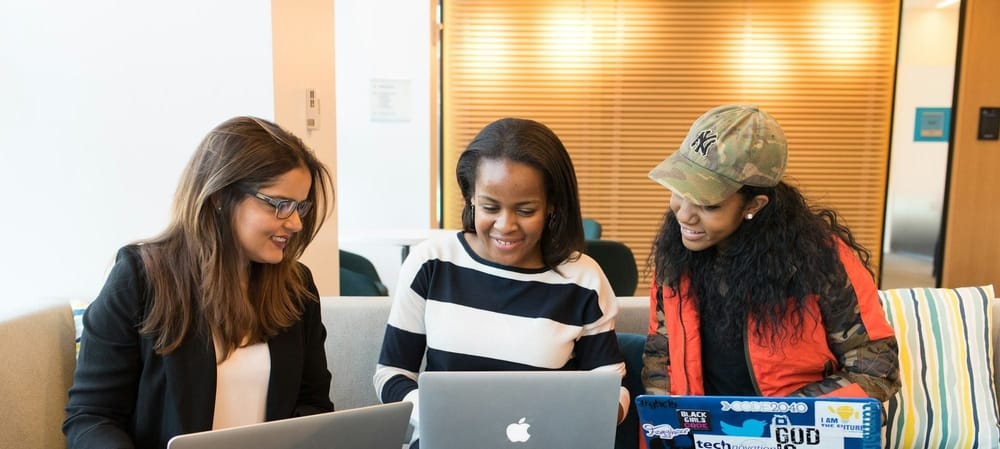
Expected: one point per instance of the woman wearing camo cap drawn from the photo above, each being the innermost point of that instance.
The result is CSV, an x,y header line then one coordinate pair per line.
x,y
757,293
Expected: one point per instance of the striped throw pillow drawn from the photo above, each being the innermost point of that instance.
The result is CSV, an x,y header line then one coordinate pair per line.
x,y
947,397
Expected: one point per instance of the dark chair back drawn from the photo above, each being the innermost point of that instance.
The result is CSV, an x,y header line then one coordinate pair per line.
x,y
618,264
631,346
361,278
353,283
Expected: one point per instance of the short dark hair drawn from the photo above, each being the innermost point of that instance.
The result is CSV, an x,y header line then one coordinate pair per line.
x,y
532,143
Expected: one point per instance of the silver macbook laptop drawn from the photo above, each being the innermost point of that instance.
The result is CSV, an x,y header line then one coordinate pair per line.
x,y
374,427
518,409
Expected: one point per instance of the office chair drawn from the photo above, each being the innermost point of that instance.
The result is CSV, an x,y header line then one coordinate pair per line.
x,y
618,263
591,229
353,283
361,278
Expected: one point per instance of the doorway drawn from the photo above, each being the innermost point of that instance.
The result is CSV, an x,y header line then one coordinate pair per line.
x,y
928,42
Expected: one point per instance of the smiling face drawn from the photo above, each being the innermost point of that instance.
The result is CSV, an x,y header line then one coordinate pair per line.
x,y
510,208
262,236
705,226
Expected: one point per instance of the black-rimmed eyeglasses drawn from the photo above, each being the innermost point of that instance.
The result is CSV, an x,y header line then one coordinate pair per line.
x,y
284,208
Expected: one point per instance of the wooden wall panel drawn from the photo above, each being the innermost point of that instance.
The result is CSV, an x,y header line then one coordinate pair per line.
x,y
972,227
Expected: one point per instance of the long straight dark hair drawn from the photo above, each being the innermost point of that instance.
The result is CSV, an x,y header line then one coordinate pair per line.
x,y
196,278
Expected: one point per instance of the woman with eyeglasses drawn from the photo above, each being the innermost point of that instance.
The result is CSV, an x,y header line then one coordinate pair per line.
x,y
213,323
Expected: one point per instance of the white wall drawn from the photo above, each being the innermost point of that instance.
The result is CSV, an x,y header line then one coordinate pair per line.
x,y
384,172
925,77
101,104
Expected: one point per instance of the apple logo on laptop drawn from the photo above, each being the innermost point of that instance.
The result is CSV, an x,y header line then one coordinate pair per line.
x,y
518,432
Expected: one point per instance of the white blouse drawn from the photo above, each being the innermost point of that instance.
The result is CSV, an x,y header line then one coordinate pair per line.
x,y
241,386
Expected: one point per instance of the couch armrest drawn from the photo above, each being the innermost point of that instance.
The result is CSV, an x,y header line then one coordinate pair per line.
x,y
39,351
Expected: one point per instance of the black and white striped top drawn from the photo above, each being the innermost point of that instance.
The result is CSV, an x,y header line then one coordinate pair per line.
x,y
470,314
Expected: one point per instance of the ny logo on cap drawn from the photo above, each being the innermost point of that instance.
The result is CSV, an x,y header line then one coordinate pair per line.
x,y
703,142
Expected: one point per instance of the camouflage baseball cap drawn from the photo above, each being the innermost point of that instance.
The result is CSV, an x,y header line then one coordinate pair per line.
x,y
727,147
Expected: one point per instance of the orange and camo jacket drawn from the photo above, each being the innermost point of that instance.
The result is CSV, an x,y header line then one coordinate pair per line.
x,y
846,347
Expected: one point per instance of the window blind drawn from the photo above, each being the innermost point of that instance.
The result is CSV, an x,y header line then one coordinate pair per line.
x,y
621,81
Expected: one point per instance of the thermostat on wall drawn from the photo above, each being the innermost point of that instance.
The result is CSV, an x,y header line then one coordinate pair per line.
x,y
989,123
312,110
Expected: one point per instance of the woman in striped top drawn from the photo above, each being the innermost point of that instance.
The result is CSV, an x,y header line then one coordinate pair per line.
x,y
512,290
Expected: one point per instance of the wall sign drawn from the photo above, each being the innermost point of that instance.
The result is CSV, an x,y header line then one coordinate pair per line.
x,y
389,100
932,125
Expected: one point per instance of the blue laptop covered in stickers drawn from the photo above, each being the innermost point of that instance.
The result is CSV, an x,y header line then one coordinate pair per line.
x,y
742,422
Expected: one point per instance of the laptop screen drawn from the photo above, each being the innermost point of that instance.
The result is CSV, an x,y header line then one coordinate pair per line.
x,y
739,422
373,427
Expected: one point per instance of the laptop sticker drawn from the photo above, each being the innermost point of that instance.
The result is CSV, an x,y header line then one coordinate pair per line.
x,y
663,431
695,419
848,419
749,428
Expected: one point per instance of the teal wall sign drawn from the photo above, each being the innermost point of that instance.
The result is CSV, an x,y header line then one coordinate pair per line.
x,y
932,125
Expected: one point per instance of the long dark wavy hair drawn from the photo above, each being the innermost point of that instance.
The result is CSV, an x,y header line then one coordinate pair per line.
x,y
532,143
193,267
767,269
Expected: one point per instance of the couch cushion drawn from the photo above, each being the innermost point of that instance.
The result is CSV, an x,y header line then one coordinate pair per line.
x,y
354,327
633,315
947,397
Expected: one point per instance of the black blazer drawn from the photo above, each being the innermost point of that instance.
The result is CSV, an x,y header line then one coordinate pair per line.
x,y
124,395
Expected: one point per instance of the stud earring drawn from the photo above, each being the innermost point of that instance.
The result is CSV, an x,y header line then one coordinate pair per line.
x,y
749,216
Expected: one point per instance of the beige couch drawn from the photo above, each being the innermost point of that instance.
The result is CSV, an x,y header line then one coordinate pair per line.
x,y
354,336
355,327
38,355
